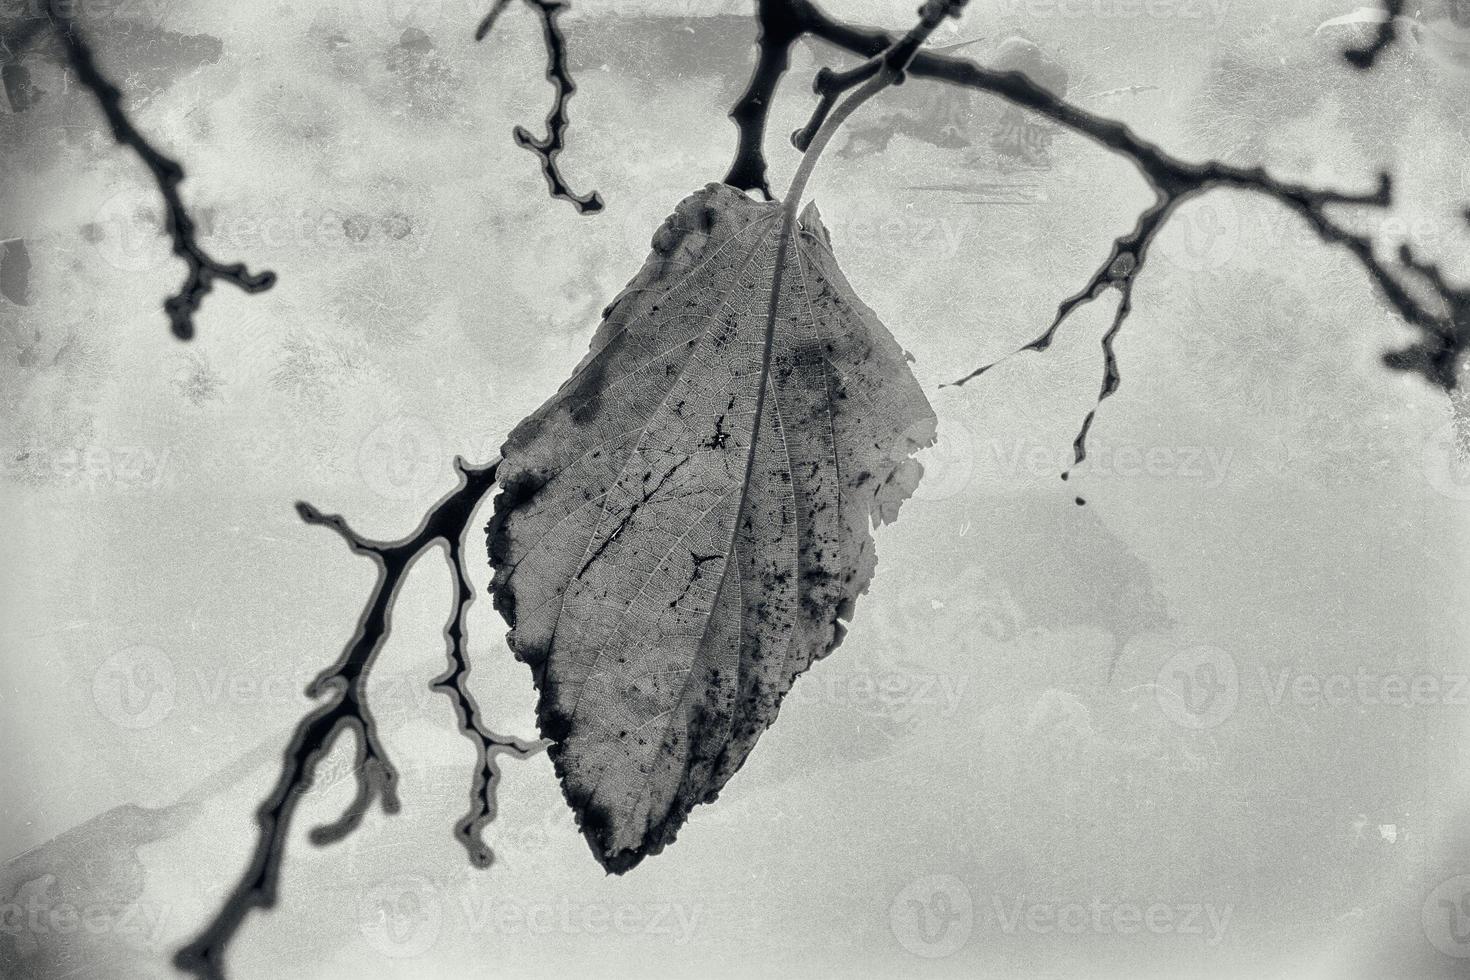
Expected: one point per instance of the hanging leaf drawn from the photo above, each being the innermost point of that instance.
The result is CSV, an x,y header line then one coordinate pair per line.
x,y
683,524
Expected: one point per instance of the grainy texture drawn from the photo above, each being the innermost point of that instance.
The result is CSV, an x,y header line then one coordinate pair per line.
x,y
675,545
1261,494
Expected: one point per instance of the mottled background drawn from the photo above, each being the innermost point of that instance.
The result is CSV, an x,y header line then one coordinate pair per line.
x,y
1272,560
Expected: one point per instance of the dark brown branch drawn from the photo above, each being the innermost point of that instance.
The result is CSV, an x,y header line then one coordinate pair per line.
x,y
453,683
204,270
1388,31
488,21
895,58
779,29
346,709
1444,322
549,147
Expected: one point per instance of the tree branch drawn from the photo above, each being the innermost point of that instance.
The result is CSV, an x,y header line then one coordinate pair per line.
x,y
1388,31
1416,288
168,174
346,709
549,147
883,70
779,29
1442,317
890,63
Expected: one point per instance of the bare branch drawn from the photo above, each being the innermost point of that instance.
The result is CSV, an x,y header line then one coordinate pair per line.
x,y
346,709
453,683
1443,322
779,29
883,69
548,147
168,174
892,62
1388,31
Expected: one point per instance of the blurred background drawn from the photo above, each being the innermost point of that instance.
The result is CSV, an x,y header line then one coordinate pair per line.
x,y
1212,724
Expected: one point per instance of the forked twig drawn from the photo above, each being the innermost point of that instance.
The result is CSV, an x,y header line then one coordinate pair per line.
x,y
168,174
549,147
344,685
1417,289
1388,31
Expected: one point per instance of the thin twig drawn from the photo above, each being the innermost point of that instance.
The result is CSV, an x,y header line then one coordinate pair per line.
x,y
1416,289
168,174
887,69
345,685
1388,31
778,29
549,147
890,64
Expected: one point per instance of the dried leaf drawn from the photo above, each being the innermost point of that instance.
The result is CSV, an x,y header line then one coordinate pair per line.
x,y
672,547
